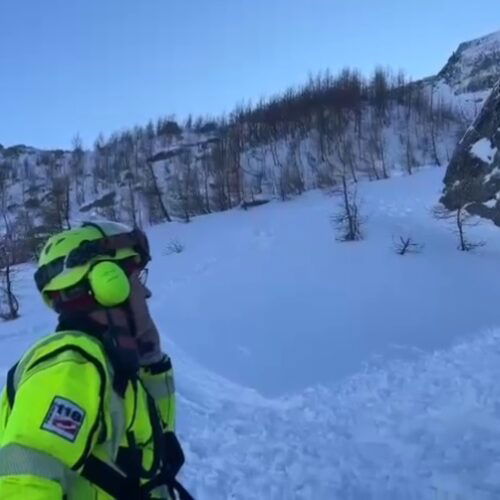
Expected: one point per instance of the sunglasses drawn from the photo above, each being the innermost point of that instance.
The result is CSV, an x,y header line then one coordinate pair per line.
x,y
143,276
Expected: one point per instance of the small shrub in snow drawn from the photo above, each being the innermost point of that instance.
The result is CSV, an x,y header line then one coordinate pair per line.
x,y
403,246
173,246
9,305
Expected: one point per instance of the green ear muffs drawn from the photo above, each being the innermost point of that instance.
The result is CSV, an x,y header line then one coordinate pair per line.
x,y
109,283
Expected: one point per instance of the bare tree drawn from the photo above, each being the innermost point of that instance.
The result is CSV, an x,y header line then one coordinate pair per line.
x,y
157,191
219,160
9,304
459,217
126,161
145,151
380,93
56,213
377,147
348,221
346,154
236,144
29,237
102,175
206,175
185,187
409,155
77,169
131,200
433,125
293,169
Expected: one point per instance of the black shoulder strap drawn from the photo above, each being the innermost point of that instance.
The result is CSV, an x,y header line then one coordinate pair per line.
x,y
120,487
11,388
182,493
110,480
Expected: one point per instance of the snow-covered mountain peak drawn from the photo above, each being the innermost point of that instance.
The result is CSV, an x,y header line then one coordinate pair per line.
x,y
474,66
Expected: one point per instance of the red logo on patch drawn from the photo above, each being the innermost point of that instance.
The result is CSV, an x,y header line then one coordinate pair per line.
x,y
65,425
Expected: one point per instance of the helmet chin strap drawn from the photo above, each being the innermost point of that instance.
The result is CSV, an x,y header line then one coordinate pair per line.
x,y
132,324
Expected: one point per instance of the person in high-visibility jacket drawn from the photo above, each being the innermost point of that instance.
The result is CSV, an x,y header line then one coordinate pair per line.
x,y
89,411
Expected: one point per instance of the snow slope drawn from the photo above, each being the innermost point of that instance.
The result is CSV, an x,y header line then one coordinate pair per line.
x,y
273,280
313,369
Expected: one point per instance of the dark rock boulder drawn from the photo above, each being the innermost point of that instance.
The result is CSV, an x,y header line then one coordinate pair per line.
x,y
473,176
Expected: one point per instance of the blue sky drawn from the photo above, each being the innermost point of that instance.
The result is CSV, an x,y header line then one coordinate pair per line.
x,y
102,65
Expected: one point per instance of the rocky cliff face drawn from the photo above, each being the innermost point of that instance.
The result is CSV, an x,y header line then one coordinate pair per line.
x,y
473,176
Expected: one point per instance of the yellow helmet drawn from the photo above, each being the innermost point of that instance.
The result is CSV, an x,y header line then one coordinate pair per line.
x,y
68,257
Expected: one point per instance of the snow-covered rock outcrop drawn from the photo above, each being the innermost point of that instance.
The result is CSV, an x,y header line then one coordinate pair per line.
x,y
474,66
473,176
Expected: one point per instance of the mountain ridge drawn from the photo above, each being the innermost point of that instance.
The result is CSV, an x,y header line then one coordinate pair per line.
x,y
307,138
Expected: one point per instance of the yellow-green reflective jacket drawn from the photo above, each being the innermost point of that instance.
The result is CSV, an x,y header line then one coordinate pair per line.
x,y
60,415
